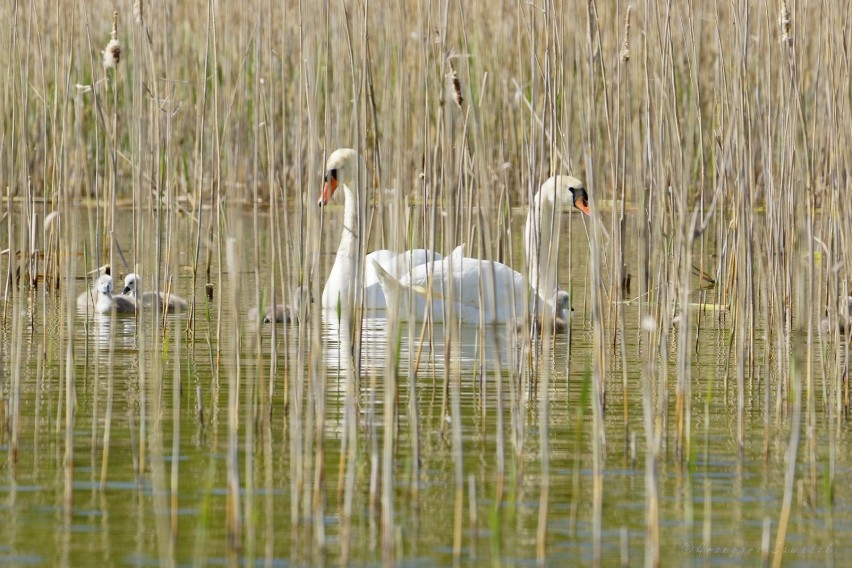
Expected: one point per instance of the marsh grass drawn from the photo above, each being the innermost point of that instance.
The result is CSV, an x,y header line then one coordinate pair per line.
x,y
713,140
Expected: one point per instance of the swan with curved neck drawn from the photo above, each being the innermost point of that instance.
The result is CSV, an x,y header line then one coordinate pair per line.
x,y
543,222
485,291
345,170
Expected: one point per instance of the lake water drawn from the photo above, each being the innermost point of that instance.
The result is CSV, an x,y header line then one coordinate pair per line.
x,y
165,492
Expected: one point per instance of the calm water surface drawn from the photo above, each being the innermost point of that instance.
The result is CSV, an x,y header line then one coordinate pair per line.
x,y
170,482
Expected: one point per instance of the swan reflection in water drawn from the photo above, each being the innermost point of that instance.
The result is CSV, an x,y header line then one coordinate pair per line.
x,y
121,331
110,329
426,350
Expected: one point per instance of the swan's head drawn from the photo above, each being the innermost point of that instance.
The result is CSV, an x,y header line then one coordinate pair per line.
x,y
562,318
341,167
561,311
105,285
559,302
130,283
575,195
562,302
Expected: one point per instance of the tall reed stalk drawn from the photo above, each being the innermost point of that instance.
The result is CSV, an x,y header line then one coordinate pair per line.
x,y
713,140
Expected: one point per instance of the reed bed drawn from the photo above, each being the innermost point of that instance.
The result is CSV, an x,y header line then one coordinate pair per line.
x,y
187,142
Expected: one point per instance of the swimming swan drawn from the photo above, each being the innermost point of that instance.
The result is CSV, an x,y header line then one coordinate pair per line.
x,y
88,298
107,302
283,313
342,171
172,303
559,319
485,291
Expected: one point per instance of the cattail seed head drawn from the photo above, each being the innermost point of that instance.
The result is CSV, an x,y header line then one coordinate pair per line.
x,y
784,21
625,46
112,52
137,11
454,77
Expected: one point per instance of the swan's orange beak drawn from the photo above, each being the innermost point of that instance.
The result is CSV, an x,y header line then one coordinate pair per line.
x,y
328,188
581,201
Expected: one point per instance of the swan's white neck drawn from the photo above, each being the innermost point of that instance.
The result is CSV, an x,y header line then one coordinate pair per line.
x,y
348,248
539,244
344,272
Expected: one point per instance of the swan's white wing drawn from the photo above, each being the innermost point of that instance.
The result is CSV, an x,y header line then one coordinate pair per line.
x,y
492,288
415,257
384,258
474,287
397,264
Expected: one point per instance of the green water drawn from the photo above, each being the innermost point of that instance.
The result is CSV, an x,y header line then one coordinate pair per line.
x,y
711,509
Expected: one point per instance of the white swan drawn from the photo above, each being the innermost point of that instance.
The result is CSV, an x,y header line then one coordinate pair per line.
x,y
342,171
106,302
485,291
168,303
88,298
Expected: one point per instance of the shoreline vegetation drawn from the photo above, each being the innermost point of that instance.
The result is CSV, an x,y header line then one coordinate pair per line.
x,y
713,141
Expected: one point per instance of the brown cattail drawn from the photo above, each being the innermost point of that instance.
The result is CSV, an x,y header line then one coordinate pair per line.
x,y
784,21
625,46
137,11
112,52
454,77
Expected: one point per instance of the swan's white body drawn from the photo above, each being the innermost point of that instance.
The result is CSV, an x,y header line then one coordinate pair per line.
x,y
342,169
172,303
397,264
485,291
477,291
88,298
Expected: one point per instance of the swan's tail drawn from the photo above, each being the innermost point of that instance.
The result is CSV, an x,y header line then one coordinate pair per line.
x,y
457,254
392,287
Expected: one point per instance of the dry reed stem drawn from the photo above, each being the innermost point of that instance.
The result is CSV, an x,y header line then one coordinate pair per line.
x,y
643,126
